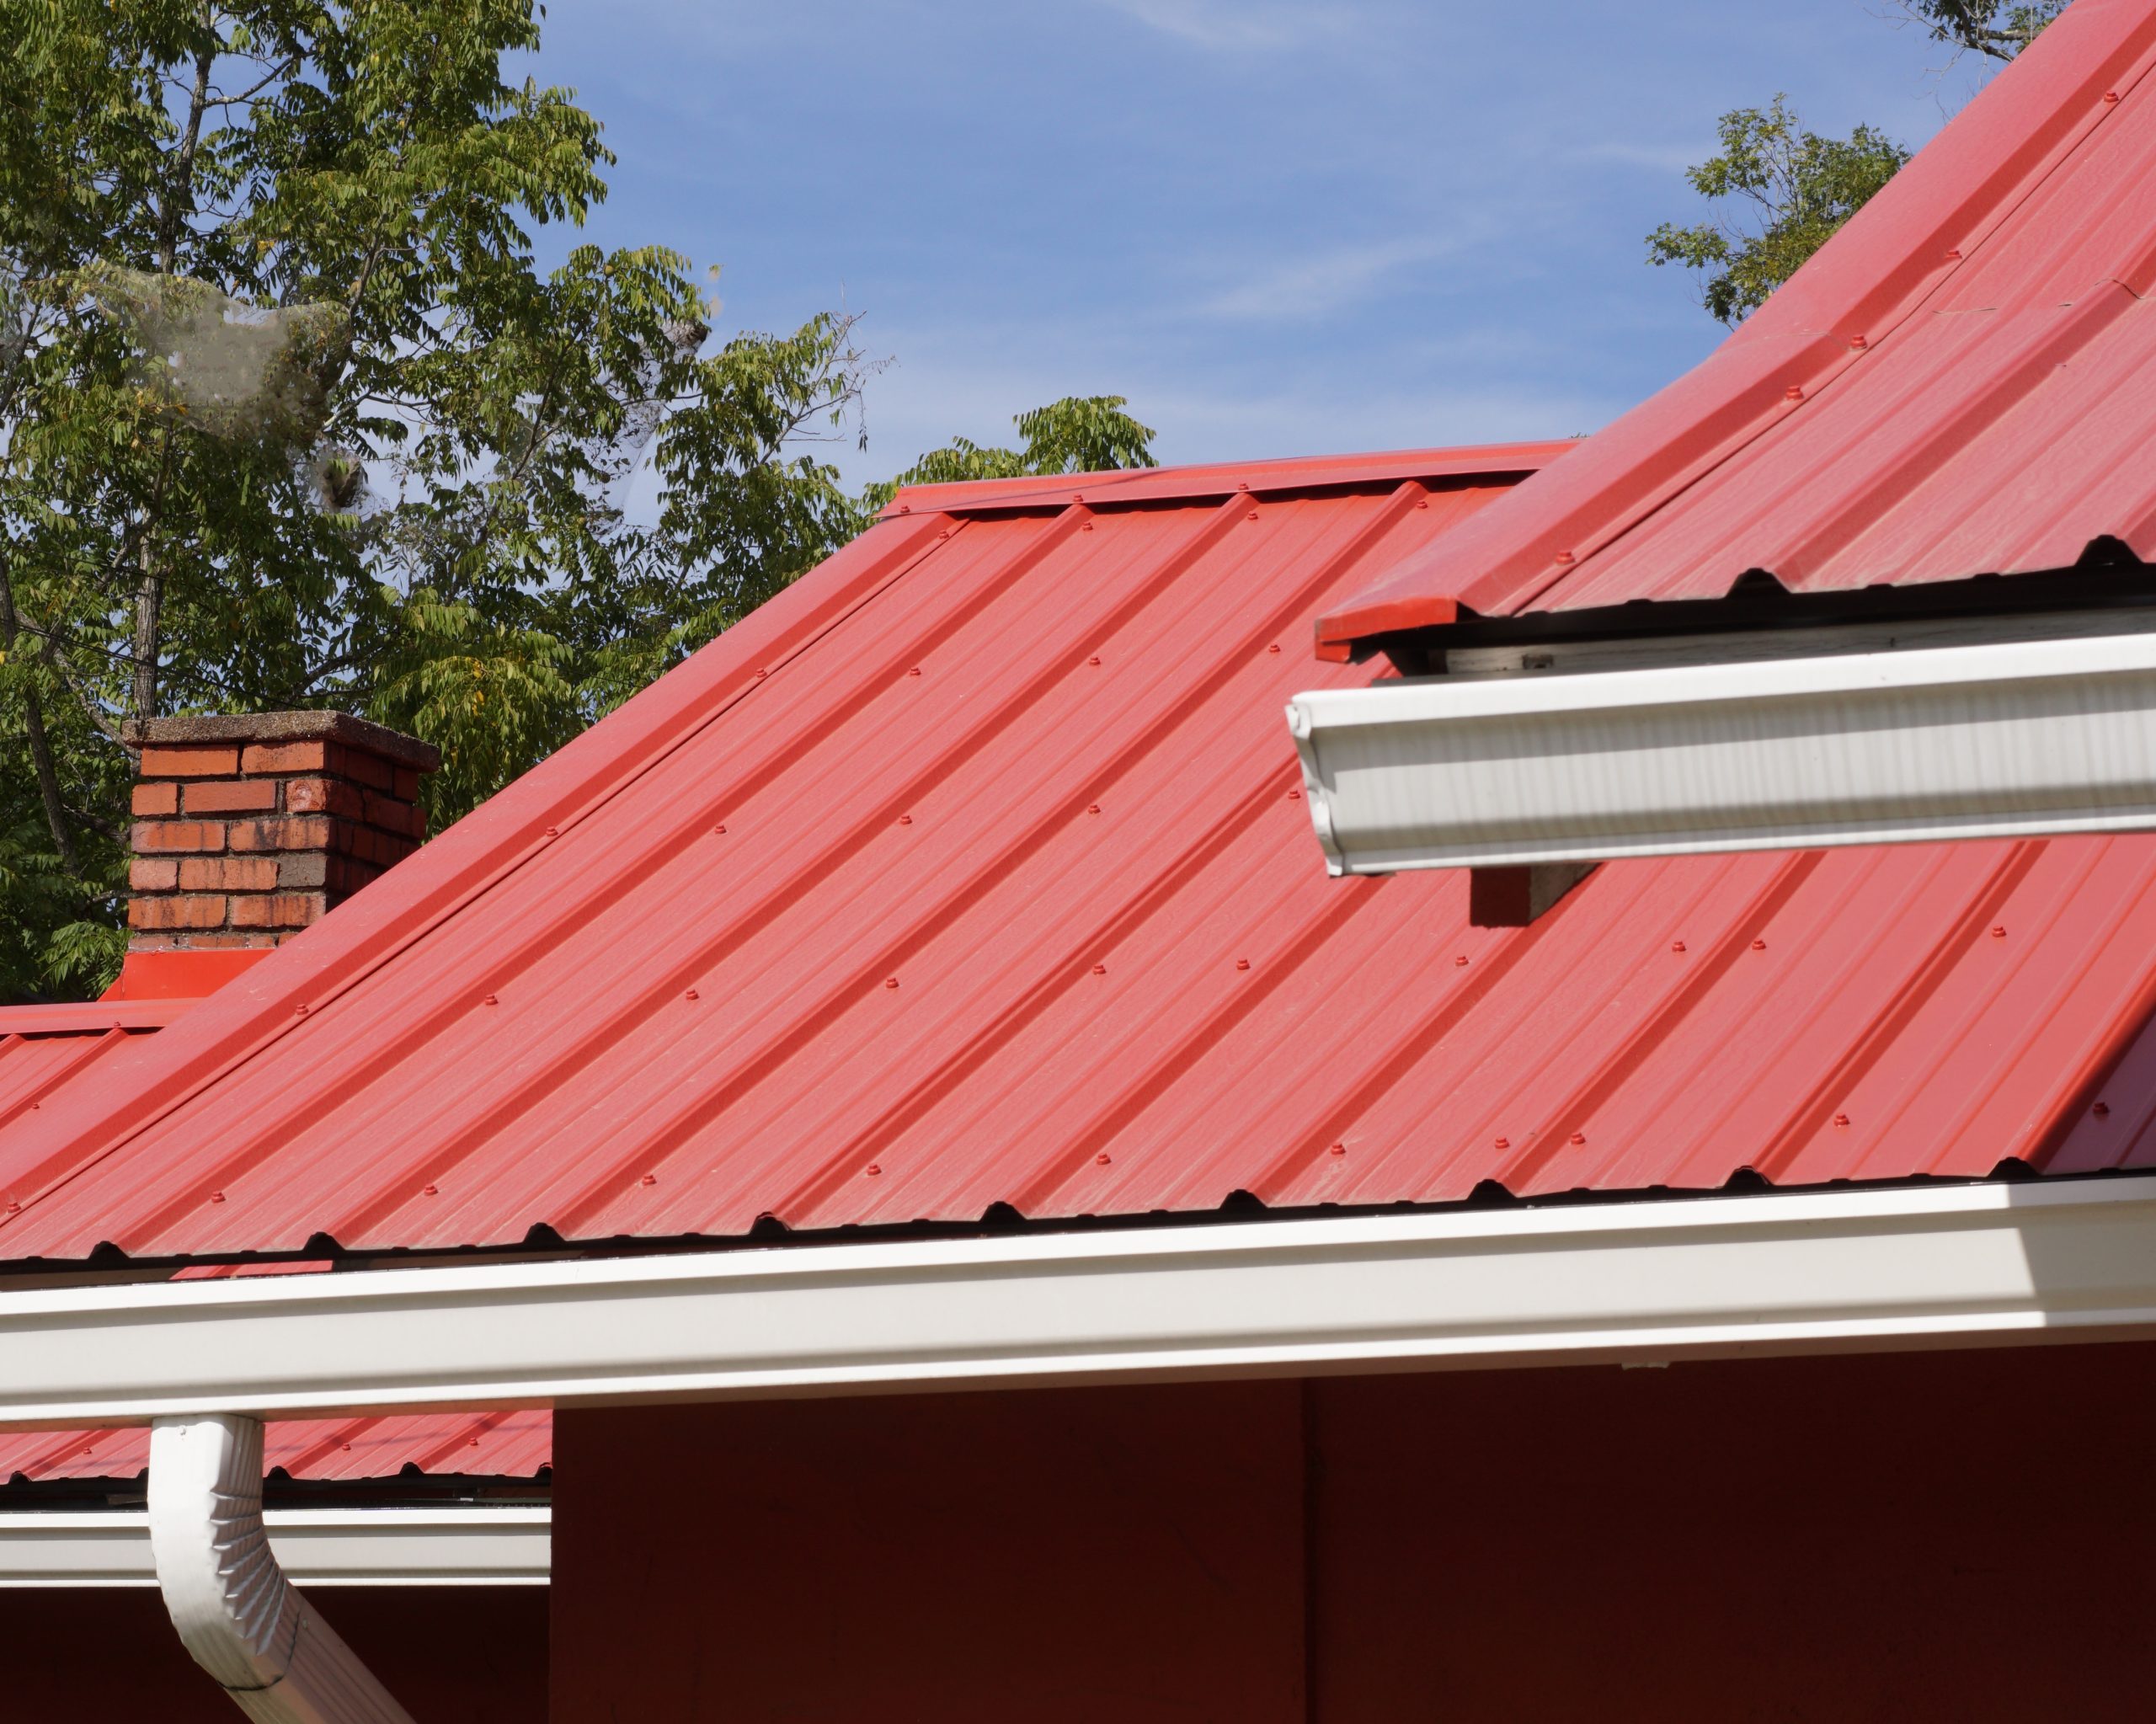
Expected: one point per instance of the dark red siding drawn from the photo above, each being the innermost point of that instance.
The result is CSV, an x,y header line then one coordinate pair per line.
x,y
1132,1555
1952,1535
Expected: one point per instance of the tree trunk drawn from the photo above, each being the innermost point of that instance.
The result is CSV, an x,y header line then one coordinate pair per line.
x,y
149,601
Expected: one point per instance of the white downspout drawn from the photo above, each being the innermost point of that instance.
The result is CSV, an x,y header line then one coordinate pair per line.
x,y
244,1622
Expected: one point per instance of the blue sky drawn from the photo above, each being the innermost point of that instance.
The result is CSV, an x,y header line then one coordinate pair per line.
x,y
1279,229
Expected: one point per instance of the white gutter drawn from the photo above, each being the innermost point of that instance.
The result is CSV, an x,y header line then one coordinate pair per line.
x,y
334,1547
235,1612
1817,1272
2004,740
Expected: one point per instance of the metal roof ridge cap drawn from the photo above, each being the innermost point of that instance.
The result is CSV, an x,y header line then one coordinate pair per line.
x,y
1202,481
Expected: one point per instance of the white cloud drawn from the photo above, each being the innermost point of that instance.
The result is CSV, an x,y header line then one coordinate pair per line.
x,y
1660,158
1326,281
1238,26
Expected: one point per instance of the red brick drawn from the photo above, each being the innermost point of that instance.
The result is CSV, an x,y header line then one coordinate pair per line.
x,y
156,799
347,875
202,759
228,873
393,816
153,876
293,910
312,832
324,796
407,786
153,837
372,770
176,913
284,757
231,796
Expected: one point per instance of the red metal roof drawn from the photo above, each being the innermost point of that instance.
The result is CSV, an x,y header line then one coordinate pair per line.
x,y
47,1052
1955,385
498,1445
972,871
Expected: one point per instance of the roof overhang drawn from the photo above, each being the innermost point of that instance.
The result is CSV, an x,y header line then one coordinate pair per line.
x,y
1648,1281
2000,739
344,1547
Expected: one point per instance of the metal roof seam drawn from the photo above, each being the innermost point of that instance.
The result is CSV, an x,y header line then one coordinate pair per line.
x,y
1952,945
1575,1110
1024,1010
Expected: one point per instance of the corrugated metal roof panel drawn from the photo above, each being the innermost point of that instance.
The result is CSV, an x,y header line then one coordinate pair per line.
x,y
515,1446
1952,386
47,1052
973,871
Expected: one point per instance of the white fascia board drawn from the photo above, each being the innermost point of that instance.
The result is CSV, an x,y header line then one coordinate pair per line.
x,y
2007,740
341,1547
1644,1281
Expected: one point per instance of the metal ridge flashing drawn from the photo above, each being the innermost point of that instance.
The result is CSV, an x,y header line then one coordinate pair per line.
x,y
341,1547
1838,1270
1173,484
2017,738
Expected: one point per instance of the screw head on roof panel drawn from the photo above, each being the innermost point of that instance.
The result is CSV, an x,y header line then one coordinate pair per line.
x,y
1859,343
1092,807
1759,945
1954,254
554,831
689,994
1841,1119
1274,648
429,1190
1242,964
299,1009
216,1196
890,981
872,1170
719,831
2111,96
1579,1137
1094,660
915,671
1676,945
1338,1149
1295,796
1502,1143
1794,393
490,1001
1460,962
1564,557
906,820
1253,515
650,1179
1999,933
1100,970
1100,1160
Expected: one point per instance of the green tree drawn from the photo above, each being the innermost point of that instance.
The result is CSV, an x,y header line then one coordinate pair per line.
x,y
2000,28
1788,188
289,415
1783,191
1078,433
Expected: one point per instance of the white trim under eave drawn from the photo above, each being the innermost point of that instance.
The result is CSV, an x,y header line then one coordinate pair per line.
x,y
2003,739
339,1547
1846,1270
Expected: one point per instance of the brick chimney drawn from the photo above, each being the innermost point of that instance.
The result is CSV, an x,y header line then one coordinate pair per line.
x,y
249,830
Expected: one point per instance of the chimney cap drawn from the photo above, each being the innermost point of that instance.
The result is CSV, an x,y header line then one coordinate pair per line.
x,y
283,726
